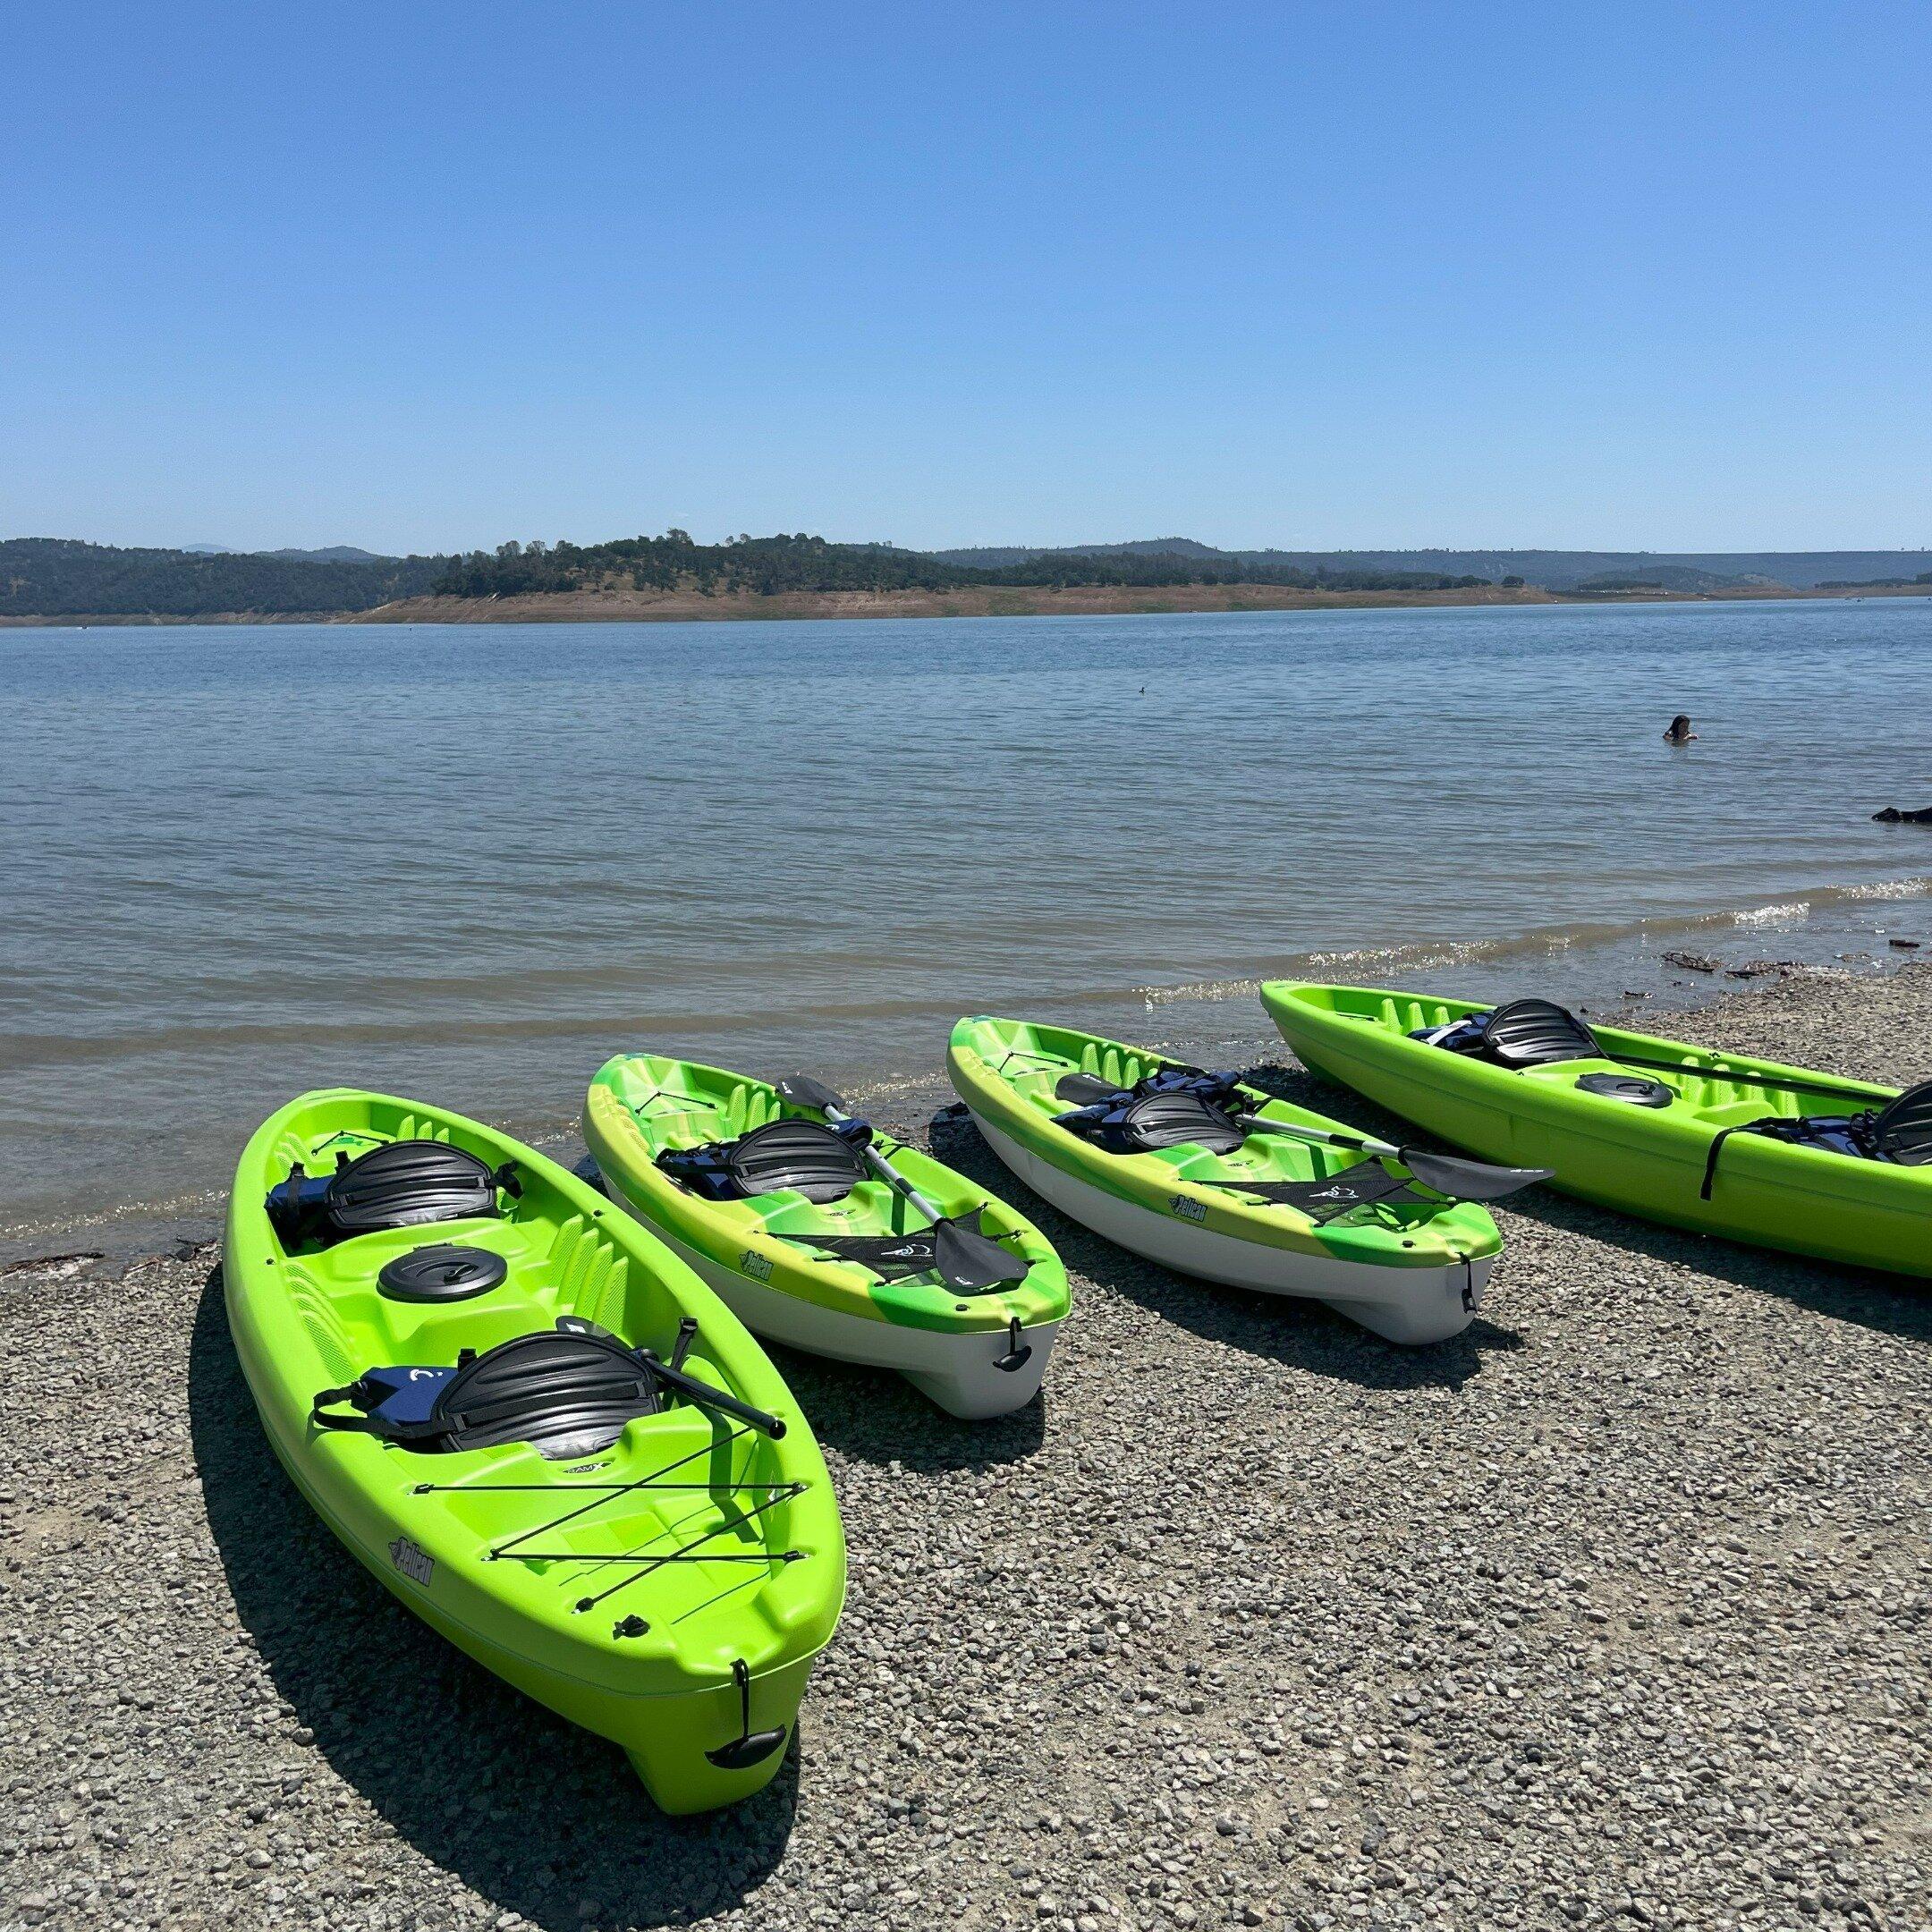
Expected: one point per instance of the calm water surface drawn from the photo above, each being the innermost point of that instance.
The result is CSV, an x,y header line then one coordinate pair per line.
x,y
469,863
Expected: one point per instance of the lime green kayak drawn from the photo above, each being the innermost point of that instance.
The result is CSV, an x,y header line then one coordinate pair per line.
x,y
444,1334
1258,1209
1685,1135
838,1268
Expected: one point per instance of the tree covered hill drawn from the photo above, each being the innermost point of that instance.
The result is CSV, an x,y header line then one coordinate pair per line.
x,y
54,577
1551,569
770,565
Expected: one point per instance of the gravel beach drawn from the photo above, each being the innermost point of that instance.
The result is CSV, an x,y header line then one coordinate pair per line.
x,y
1611,1612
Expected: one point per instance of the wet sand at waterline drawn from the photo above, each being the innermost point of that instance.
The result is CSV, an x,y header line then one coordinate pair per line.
x,y
1608,1612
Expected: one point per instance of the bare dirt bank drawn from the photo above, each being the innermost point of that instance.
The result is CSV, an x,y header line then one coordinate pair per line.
x,y
1079,600
632,606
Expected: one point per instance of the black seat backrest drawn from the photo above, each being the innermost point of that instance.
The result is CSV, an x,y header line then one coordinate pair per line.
x,y
407,1183
797,1154
556,1386
1536,1032
1165,1120
1902,1130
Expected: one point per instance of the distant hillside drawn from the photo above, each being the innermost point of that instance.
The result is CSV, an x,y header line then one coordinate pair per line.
x,y
1550,569
53,577
782,564
341,553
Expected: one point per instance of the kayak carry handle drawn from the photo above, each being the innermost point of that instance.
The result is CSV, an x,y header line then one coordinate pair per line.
x,y
750,1746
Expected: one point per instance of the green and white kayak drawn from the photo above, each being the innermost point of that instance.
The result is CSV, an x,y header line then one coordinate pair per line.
x,y
445,1334
1751,1149
1254,1209
813,1245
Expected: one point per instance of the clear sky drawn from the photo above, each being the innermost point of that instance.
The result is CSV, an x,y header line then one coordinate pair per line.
x,y
428,276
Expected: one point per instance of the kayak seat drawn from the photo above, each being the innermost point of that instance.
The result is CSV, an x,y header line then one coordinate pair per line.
x,y
1165,1120
1536,1032
1902,1130
1900,1133
402,1183
801,1156
568,1391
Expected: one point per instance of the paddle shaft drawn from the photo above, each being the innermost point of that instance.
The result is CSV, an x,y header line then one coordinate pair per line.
x,y
888,1172
705,1396
1744,1079
1361,1143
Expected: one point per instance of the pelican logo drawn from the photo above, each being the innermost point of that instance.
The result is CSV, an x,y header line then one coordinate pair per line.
x,y
1336,1193
756,1265
417,1564
1189,1211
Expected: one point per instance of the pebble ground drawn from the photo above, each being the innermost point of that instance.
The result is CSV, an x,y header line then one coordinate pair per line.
x,y
1611,1613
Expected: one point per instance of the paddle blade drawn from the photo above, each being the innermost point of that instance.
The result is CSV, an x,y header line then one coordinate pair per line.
x,y
969,1261
802,1090
1468,1180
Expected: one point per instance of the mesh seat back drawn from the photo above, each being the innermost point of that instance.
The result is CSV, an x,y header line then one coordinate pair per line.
x,y
1537,1032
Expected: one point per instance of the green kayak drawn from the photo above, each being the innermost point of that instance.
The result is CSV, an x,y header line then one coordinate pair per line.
x,y
1170,1172
813,1245
538,1429
1747,1148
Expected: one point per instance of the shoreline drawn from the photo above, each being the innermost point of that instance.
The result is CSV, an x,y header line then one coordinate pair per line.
x,y
1646,974
1099,600
1606,1609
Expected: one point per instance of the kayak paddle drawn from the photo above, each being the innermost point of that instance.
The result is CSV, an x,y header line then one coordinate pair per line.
x,y
964,1258
1445,1173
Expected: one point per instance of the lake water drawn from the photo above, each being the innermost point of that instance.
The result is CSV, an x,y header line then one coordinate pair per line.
x,y
469,863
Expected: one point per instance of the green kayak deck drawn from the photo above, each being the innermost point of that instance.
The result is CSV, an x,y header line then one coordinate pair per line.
x,y
1654,1161
1408,1266
669,1590
775,1258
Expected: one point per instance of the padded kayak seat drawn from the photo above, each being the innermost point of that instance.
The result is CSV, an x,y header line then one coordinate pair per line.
x,y
1902,1130
1177,1106
1900,1133
1165,1120
569,1390
1536,1032
823,1163
403,1183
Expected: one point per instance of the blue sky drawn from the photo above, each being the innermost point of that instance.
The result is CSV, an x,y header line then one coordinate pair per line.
x,y
427,276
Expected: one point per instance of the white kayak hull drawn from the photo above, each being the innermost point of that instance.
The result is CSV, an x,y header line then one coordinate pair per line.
x,y
1414,1306
960,1371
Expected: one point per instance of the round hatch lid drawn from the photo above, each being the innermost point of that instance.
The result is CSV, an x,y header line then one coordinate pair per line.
x,y
444,1272
1632,1088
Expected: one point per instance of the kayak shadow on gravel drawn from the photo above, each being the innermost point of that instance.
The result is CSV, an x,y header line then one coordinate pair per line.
x,y
534,1814
879,1416
1888,1304
1299,1334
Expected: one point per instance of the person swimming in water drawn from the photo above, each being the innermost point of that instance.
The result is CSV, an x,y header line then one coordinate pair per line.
x,y
1678,731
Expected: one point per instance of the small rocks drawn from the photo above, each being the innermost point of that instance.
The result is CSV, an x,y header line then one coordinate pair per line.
x,y
1607,1614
